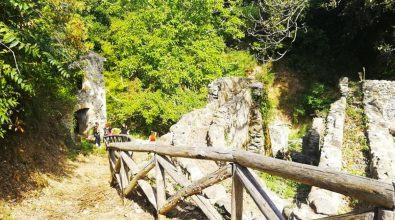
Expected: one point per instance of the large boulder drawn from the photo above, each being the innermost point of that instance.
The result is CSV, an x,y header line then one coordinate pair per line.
x,y
279,132
379,106
321,200
312,141
231,119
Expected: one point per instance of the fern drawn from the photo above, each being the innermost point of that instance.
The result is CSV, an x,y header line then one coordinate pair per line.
x,y
63,72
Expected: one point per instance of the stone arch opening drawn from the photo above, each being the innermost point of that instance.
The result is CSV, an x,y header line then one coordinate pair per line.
x,y
81,121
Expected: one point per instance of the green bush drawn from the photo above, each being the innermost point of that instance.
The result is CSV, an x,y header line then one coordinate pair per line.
x,y
161,55
316,100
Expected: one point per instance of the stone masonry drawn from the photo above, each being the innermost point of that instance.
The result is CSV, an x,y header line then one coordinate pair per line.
x,y
91,105
230,119
379,105
321,200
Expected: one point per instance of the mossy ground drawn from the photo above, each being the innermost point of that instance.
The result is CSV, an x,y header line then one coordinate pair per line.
x,y
355,145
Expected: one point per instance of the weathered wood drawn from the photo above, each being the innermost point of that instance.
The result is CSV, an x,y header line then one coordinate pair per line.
x,y
111,160
160,188
237,196
118,179
117,167
117,138
124,176
196,187
203,203
129,162
144,185
261,199
369,190
360,215
149,192
207,153
133,183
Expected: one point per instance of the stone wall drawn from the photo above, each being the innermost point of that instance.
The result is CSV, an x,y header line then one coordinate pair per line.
x,y
324,201
379,105
312,141
231,119
91,99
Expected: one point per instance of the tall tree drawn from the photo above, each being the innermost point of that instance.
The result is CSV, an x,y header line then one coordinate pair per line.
x,y
38,38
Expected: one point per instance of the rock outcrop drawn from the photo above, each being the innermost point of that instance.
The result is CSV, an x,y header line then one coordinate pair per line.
x,y
91,98
379,105
231,119
279,133
323,201
312,141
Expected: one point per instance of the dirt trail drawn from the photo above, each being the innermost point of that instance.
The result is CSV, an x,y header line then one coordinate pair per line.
x,y
84,194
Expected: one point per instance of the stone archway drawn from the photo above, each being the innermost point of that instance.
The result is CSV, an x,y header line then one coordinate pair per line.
x,y
81,117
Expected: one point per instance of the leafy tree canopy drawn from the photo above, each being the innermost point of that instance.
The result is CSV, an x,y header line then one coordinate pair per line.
x,y
162,54
37,41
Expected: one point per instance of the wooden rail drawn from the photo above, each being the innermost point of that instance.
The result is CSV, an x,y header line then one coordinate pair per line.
x,y
127,175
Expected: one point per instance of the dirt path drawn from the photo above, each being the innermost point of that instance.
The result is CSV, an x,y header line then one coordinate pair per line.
x,y
84,194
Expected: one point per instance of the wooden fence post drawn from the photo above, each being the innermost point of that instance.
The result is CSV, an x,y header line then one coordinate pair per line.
x,y
237,196
160,188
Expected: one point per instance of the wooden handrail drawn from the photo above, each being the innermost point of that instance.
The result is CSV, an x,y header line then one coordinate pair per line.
x,y
370,190
196,187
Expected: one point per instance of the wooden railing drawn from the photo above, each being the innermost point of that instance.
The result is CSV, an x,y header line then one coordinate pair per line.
x,y
127,175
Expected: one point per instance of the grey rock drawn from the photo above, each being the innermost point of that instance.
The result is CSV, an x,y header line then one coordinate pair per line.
x,y
302,212
379,106
343,86
166,139
312,141
216,194
385,214
324,201
279,133
230,119
91,99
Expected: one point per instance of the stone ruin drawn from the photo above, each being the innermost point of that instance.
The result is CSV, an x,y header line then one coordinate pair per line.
x,y
379,108
91,98
379,105
231,119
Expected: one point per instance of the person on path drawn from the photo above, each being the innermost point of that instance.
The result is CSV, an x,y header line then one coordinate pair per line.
x,y
152,137
96,134
107,130
124,129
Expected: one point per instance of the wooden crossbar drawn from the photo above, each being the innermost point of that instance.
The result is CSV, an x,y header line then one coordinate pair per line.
x,y
127,175
196,187
260,197
203,203
370,190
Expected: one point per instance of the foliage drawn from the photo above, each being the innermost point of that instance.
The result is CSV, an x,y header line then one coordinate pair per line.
x,y
162,55
267,76
85,148
316,100
273,26
38,39
342,37
286,189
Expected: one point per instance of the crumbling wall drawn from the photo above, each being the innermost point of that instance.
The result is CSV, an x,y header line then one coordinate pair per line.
x,y
92,95
379,105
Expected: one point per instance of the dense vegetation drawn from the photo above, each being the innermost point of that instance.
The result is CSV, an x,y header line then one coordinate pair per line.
x,y
162,54
38,39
